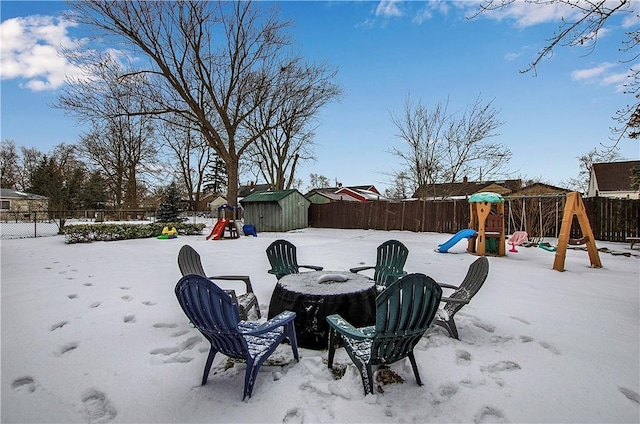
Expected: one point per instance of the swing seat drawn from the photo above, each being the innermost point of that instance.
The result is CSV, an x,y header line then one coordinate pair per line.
x,y
516,239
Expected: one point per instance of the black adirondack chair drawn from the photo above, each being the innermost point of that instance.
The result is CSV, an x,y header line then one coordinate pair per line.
x,y
211,310
189,263
391,257
404,312
283,259
473,281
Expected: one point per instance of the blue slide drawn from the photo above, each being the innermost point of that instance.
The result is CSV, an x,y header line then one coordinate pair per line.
x,y
462,234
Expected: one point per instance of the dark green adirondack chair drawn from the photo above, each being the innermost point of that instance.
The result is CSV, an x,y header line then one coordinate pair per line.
x,y
391,257
404,312
473,281
283,259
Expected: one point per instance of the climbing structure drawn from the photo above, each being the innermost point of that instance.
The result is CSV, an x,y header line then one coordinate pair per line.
x,y
487,218
574,206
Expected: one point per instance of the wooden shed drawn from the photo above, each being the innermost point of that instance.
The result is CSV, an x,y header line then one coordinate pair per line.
x,y
278,210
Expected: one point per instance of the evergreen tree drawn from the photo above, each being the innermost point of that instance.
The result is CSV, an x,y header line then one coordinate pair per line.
x,y
95,191
216,180
169,210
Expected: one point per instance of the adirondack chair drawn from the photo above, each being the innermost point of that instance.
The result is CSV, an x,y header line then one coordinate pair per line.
x,y
391,257
404,311
283,259
189,263
473,281
211,310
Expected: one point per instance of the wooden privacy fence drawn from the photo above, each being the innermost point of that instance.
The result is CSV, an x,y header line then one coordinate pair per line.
x,y
540,216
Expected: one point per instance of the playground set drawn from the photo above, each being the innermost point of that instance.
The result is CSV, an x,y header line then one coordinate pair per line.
x,y
231,224
486,232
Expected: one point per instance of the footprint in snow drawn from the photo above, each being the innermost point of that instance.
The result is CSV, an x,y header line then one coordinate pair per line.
x,y
164,325
24,384
97,407
130,319
148,303
463,357
88,284
64,349
524,321
502,366
72,296
95,305
58,325
551,348
630,394
294,416
489,414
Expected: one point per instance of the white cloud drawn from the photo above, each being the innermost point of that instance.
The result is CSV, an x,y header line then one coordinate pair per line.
x,y
29,51
527,14
511,56
605,74
591,73
388,8
631,20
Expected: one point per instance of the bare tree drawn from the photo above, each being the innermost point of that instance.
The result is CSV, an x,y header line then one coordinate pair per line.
x,y
30,158
289,113
318,181
581,182
443,147
214,63
581,26
120,143
9,167
190,155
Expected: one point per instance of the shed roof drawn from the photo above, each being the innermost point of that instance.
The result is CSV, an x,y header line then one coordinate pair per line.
x,y
269,196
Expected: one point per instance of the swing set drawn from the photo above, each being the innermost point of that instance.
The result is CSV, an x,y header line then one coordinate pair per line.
x,y
573,207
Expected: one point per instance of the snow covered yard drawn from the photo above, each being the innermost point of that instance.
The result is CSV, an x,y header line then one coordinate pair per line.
x,y
93,333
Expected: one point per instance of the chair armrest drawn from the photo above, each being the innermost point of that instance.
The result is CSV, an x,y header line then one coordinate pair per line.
x,y
338,323
279,320
458,301
313,267
245,278
448,286
360,268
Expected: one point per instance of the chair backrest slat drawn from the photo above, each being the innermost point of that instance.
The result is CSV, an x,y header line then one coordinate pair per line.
x,y
283,258
391,258
472,283
189,261
213,313
405,310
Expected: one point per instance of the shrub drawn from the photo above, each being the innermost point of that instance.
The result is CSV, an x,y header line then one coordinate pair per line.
x,y
86,233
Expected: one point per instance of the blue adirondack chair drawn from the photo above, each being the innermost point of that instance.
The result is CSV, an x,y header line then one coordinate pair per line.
x,y
404,312
284,260
189,262
214,314
391,257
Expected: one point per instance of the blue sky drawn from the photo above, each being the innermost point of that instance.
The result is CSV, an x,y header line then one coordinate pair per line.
x,y
384,51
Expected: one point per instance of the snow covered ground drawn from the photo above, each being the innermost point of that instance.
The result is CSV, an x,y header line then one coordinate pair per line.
x,y
93,333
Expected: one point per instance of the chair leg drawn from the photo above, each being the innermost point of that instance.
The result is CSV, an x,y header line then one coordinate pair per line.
x,y
207,367
290,331
450,326
332,347
250,377
412,359
367,378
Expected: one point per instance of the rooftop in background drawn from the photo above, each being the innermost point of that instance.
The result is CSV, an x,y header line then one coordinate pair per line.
x,y
466,188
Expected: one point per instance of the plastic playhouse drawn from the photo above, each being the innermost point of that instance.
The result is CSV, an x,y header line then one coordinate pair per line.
x,y
487,219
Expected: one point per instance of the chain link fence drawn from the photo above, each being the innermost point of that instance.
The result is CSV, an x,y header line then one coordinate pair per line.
x,y
21,224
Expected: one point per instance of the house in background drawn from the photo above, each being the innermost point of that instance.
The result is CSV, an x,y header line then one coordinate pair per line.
x,y
278,210
244,191
540,189
365,193
612,179
465,189
18,201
